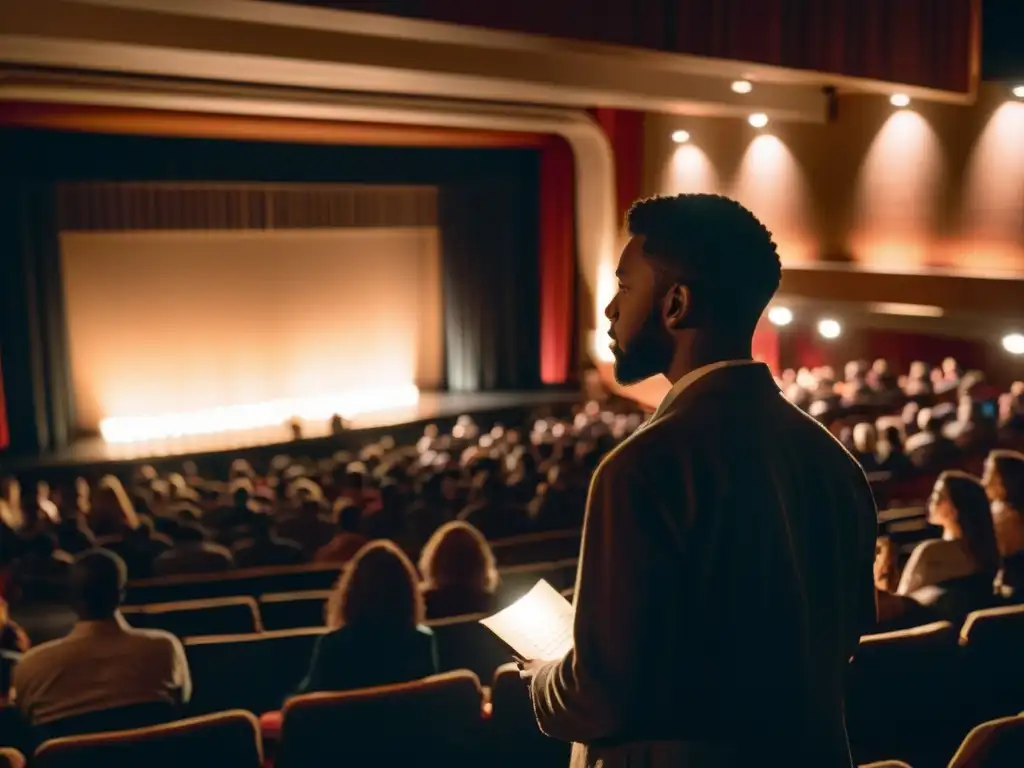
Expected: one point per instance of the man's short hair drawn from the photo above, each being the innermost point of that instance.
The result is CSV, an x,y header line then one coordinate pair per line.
x,y
716,245
98,579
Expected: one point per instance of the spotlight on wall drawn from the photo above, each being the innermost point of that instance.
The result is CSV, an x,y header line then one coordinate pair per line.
x,y
1018,91
899,100
829,328
758,119
742,86
680,137
780,315
1014,343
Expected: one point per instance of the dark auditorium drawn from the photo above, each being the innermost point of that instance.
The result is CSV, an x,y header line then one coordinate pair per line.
x,y
591,383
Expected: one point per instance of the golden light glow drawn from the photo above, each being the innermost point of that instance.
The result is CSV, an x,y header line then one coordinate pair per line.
x,y
758,120
898,195
689,170
899,100
680,137
742,86
906,310
237,418
1018,91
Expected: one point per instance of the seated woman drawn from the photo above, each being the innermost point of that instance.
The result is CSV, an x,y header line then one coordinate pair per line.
x,y
1004,483
375,616
967,550
459,574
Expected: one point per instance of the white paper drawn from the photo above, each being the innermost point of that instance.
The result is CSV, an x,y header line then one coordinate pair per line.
x,y
538,626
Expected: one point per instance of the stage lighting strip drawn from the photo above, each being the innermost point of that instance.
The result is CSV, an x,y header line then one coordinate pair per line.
x,y
232,418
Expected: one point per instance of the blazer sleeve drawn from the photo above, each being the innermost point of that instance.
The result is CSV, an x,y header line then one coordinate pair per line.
x,y
590,693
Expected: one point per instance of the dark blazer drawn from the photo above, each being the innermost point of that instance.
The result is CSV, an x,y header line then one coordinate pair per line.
x,y
725,579
353,657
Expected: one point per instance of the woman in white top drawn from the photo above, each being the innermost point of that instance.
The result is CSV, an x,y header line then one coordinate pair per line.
x,y
968,545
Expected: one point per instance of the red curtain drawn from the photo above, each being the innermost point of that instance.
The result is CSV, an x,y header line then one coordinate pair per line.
x,y
557,262
625,131
765,345
933,43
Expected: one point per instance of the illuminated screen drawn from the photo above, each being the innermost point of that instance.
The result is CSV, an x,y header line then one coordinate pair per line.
x,y
191,327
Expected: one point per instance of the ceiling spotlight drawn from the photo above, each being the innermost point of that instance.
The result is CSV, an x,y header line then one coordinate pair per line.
x,y
1018,91
780,315
829,328
758,119
1014,343
742,86
899,100
680,137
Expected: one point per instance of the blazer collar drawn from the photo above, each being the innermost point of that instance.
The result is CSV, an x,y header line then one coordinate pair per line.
x,y
745,379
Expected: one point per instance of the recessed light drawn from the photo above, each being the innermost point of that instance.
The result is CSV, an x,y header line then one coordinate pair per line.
x,y
780,315
829,328
742,86
680,137
899,100
1014,343
758,119
1018,91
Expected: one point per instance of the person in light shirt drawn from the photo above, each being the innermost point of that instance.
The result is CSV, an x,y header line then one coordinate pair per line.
x,y
726,570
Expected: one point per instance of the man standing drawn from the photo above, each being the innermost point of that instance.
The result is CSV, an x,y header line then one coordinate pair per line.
x,y
726,569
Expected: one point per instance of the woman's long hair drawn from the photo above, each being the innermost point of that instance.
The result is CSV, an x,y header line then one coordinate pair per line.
x,y
458,555
967,495
377,589
1009,466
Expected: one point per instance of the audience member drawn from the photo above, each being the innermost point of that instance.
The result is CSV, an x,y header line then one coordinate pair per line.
x,y
264,547
348,540
929,450
1004,483
459,572
376,616
192,554
120,676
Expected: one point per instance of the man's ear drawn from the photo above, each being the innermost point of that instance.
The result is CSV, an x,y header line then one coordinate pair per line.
x,y
677,307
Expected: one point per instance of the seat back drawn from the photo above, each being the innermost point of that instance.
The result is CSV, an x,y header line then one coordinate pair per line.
x,y
224,740
436,721
537,547
885,764
292,610
464,643
195,618
515,737
992,640
517,580
245,582
254,672
107,720
902,695
11,758
996,744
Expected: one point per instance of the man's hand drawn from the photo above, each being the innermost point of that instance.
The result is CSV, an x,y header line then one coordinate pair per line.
x,y
527,669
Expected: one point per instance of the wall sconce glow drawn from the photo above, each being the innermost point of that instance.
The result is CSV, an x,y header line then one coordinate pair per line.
x,y
906,310
234,418
1014,343
758,120
742,86
680,137
899,100
1018,91
780,315
829,328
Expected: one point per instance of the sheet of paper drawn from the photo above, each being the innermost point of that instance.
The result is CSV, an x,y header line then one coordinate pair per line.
x,y
538,626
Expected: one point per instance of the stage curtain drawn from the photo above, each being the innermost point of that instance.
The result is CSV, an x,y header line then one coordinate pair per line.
x,y
489,246
33,328
557,262
625,131
933,43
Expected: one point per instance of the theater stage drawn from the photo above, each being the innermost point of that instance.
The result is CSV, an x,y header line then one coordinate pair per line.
x,y
405,424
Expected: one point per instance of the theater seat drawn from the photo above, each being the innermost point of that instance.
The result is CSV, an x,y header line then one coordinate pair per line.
x,y
434,721
464,643
253,672
518,580
996,744
11,758
903,695
196,618
244,582
885,764
224,740
537,547
292,610
515,738
992,640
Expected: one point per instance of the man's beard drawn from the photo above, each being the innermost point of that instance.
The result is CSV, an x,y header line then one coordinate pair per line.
x,y
650,351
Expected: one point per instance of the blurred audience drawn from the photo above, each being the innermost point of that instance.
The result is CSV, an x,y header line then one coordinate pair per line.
x,y
459,572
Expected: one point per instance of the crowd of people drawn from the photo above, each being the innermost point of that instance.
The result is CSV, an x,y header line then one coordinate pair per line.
x,y
412,523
